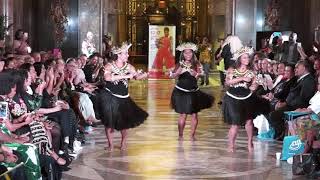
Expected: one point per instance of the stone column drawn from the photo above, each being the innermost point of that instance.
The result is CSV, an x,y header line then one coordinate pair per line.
x,y
122,21
203,18
229,16
6,8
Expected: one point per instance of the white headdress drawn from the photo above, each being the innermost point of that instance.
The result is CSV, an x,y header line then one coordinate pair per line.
x,y
187,45
242,51
124,47
235,43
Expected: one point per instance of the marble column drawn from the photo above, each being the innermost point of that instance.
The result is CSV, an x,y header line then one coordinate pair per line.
x,y
314,18
245,21
217,23
229,16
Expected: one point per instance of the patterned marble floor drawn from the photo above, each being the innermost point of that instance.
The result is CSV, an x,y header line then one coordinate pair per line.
x,y
154,151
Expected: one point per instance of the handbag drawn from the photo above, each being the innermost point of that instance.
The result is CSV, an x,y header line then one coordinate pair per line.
x,y
292,145
304,164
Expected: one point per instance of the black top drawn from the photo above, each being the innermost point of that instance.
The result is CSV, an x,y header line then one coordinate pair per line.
x,y
118,87
187,81
88,71
282,90
227,56
241,89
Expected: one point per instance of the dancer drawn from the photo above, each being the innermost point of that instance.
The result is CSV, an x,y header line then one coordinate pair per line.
x,y
186,97
240,105
117,110
164,55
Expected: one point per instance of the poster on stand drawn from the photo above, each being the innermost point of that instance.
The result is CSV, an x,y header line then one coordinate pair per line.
x,y
161,57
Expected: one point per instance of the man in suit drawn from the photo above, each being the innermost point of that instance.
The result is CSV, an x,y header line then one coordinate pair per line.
x,y
298,97
292,50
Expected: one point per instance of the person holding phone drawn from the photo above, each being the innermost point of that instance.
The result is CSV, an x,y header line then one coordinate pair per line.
x,y
13,141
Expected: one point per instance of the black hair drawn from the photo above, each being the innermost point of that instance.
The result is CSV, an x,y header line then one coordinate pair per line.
x,y
38,67
8,80
238,62
48,63
18,35
260,55
20,76
306,64
8,60
26,66
291,66
166,29
194,60
113,57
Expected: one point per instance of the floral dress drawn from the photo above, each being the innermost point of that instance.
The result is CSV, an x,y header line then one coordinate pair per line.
x,y
28,154
37,129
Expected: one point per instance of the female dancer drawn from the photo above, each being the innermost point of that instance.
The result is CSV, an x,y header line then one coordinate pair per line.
x,y
116,108
240,104
186,97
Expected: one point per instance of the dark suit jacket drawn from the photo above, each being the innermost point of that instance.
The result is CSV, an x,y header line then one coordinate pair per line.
x,y
302,92
227,55
296,55
285,89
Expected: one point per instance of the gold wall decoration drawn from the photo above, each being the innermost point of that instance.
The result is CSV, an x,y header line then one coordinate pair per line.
x,y
272,14
58,15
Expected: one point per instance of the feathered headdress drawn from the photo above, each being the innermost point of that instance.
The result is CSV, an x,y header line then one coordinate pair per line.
x,y
243,50
187,45
124,47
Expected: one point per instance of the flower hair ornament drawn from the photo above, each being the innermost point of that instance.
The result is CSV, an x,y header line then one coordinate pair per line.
x,y
187,45
242,51
124,47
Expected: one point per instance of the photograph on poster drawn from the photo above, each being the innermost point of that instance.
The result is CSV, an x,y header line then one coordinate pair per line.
x,y
161,50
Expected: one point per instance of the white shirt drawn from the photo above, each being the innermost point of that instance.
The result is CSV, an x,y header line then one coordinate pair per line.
x,y
29,90
315,103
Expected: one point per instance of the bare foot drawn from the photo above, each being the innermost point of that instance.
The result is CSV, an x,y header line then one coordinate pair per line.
x,y
180,138
231,149
250,148
109,148
193,138
123,147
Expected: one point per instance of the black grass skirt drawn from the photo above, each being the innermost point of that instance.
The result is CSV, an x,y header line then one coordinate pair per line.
x,y
190,102
119,113
237,112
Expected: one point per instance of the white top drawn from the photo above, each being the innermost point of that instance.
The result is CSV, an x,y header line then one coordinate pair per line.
x,y
80,77
315,103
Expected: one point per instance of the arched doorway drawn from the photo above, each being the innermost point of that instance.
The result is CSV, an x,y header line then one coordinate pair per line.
x,y
141,13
